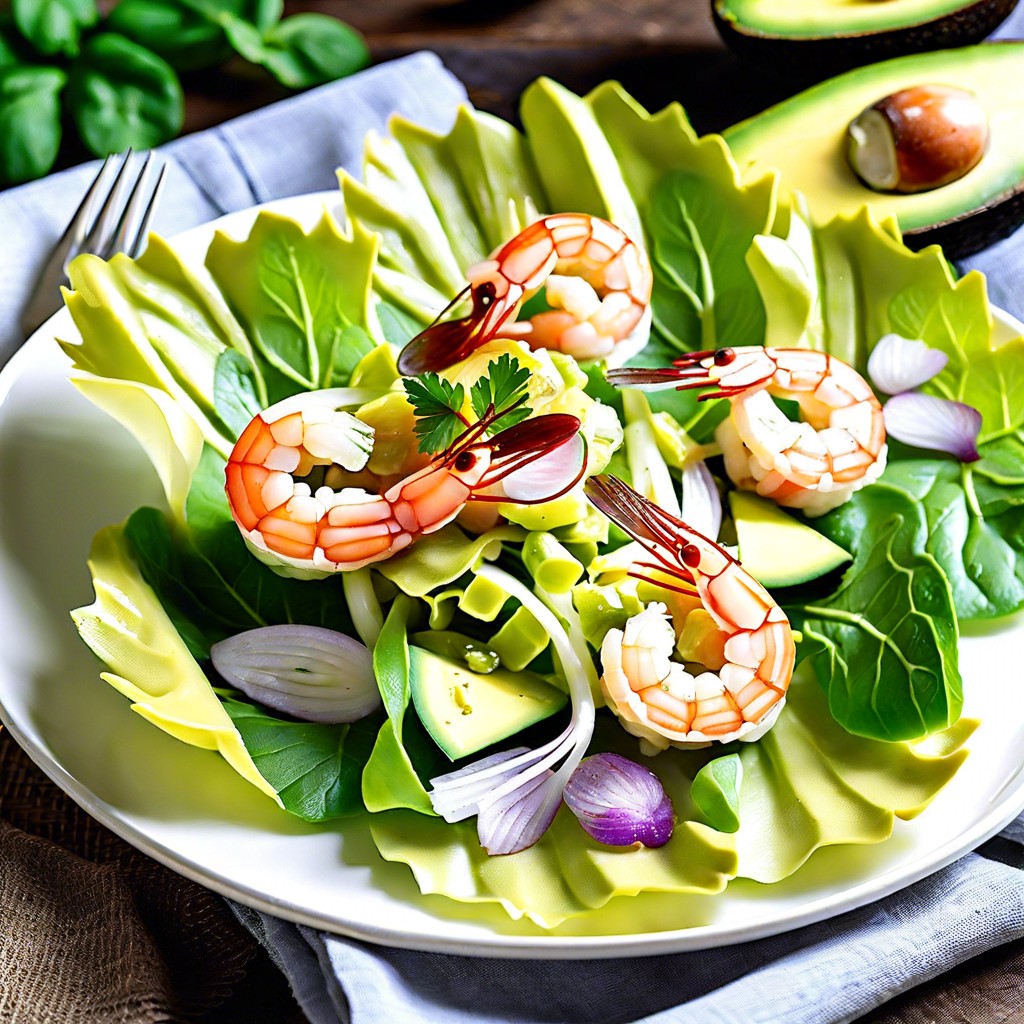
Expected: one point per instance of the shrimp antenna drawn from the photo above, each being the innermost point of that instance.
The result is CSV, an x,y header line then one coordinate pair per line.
x,y
654,529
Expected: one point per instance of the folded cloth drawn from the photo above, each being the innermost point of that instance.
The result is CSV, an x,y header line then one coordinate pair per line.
x,y
825,973
286,149
832,971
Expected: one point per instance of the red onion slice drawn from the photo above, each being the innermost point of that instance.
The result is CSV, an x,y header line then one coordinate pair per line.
x,y
309,672
619,802
937,424
897,364
548,474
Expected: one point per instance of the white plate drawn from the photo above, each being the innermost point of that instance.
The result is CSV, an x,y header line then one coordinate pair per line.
x,y
66,470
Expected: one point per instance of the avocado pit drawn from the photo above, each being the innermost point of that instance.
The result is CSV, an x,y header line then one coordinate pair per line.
x,y
917,139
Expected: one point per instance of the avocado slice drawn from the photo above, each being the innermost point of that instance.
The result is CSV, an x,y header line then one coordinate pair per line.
x,y
804,137
776,549
833,35
465,711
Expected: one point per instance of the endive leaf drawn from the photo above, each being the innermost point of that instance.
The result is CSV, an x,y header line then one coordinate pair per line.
x,y
128,629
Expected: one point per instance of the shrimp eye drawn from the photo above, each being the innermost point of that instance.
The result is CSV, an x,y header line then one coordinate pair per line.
x,y
465,461
690,555
724,356
485,293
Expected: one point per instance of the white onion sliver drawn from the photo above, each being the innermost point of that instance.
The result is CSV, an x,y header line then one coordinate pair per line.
x,y
516,820
898,364
702,504
548,474
309,672
936,424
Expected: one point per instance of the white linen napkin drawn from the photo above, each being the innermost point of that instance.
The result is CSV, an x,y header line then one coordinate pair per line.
x,y
829,972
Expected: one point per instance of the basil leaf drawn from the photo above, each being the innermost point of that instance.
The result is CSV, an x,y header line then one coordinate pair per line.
x,y
30,127
122,96
13,50
301,51
260,14
235,391
54,26
888,636
184,37
315,768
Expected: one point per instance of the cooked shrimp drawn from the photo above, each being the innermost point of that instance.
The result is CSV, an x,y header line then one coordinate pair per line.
x,y
598,279
656,698
815,464
288,523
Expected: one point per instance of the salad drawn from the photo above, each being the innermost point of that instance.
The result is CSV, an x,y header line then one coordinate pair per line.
x,y
463,646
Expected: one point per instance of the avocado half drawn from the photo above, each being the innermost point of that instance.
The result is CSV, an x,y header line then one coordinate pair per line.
x,y
804,35
804,137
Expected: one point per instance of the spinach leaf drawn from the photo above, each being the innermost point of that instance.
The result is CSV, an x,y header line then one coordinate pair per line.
x,y
980,549
54,26
704,293
888,635
209,582
123,96
30,127
301,51
315,768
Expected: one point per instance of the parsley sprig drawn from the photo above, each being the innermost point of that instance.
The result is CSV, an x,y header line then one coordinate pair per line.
x,y
498,398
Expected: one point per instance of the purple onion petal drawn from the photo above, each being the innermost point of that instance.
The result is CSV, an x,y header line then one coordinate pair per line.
x,y
937,424
619,802
897,364
515,821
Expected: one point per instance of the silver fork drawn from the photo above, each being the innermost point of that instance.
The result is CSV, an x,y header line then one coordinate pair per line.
x,y
113,217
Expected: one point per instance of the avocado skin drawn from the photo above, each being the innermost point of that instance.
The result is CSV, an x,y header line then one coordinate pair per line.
x,y
830,54
975,230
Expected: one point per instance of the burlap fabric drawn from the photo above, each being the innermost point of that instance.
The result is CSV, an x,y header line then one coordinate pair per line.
x,y
93,932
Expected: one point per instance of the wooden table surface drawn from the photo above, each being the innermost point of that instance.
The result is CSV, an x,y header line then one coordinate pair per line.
x,y
661,50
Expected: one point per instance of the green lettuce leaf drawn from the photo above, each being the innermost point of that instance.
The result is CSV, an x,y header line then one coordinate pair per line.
x,y
303,297
390,779
828,786
128,629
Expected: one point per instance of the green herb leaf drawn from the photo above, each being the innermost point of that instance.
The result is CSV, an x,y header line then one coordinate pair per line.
x,y
54,26
315,768
183,36
30,127
503,384
123,96
300,51
888,635
438,408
